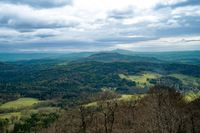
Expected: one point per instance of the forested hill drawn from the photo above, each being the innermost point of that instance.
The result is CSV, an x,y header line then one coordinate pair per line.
x,y
59,78
184,56
117,57
171,55
49,87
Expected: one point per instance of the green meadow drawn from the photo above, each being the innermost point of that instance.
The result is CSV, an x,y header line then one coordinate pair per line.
x,y
20,103
187,80
9,115
23,107
134,97
141,80
124,97
191,96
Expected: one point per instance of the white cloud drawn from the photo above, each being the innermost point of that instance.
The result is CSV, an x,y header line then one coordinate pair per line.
x,y
141,19
39,3
8,32
164,44
91,20
187,11
22,14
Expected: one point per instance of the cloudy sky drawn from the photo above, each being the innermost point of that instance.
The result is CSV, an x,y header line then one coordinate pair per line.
x,y
93,25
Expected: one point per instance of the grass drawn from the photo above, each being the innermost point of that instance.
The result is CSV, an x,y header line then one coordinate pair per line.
x,y
28,112
187,80
191,96
19,107
20,103
24,113
92,104
188,97
23,108
9,115
141,80
131,97
123,97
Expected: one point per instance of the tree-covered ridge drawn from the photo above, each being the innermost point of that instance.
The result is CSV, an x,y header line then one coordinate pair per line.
x,y
57,86
43,80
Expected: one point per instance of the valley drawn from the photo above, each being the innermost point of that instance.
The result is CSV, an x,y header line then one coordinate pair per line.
x,y
38,93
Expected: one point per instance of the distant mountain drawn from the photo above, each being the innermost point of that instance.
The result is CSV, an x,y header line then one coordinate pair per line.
x,y
173,55
117,57
122,51
24,56
189,57
75,56
42,56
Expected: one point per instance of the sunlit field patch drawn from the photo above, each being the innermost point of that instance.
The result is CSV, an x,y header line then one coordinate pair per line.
x,y
187,80
191,96
20,103
141,80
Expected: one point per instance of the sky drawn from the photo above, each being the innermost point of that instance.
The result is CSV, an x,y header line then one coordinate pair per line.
x,y
99,25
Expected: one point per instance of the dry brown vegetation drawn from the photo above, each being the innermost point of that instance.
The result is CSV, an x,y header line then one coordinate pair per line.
x,y
162,110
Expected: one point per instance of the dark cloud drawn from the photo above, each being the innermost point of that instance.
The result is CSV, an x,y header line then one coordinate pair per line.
x,y
121,14
121,40
29,24
180,4
187,25
48,45
45,35
187,3
178,31
40,3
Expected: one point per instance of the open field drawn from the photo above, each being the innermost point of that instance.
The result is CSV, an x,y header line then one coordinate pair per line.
x,y
28,112
20,103
188,97
191,96
23,107
187,80
124,97
133,97
19,107
141,80
9,115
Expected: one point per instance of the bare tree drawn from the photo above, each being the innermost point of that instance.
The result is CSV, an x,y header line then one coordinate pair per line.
x,y
108,110
86,115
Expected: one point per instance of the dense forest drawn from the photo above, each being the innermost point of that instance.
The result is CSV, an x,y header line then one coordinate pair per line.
x,y
107,92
